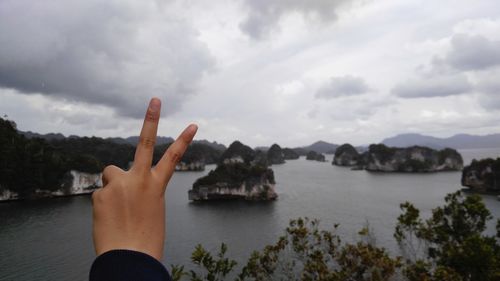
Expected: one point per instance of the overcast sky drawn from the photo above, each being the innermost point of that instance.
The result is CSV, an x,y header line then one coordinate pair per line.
x,y
260,71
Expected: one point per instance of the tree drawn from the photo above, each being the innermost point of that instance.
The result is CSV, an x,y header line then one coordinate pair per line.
x,y
450,245
304,253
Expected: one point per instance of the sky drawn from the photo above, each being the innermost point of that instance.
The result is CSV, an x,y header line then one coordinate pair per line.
x,y
286,71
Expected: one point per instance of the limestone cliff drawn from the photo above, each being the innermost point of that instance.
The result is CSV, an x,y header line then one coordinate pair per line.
x,y
193,166
241,174
482,175
73,183
416,159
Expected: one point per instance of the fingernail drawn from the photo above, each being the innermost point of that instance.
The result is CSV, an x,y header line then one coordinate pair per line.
x,y
193,128
155,104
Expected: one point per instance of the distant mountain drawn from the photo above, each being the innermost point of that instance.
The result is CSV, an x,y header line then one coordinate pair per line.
x,y
460,141
319,147
135,139
48,137
214,144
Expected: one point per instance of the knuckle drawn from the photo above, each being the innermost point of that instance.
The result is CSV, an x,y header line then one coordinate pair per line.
x,y
147,142
152,116
173,156
108,169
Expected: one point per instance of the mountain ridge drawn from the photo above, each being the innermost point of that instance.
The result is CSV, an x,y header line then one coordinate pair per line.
x,y
457,141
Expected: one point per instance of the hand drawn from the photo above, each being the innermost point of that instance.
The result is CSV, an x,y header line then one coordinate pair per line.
x,y
129,211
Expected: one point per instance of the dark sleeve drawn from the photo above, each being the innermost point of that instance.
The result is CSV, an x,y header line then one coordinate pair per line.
x,y
125,265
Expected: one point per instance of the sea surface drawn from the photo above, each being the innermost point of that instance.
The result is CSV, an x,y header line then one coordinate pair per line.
x,y
50,239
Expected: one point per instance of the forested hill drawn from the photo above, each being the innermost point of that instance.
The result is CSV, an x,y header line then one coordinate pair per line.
x,y
27,164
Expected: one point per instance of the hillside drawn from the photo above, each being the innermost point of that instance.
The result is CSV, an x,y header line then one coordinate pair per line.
x,y
319,147
460,141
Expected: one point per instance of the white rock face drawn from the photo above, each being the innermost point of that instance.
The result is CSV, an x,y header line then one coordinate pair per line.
x,y
8,195
195,166
82,183
255,192
236,159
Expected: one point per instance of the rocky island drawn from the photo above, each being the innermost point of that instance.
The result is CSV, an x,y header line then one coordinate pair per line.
x,y
482,176
241,173
275,155
415,159
290,154
346,155
313,155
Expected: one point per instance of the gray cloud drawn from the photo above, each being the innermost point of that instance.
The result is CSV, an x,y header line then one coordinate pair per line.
x,y
264,16
440,86
342,86
473,52
488,86
490,102
100,52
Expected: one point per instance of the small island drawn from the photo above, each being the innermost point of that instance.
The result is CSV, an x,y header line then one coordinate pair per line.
x,y
482,176
275,155
315,156
241,173
346,155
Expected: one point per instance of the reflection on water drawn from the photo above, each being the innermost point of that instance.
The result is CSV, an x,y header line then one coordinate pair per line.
x,y
51,239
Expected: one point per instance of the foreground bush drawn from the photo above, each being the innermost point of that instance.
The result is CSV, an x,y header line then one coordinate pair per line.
x,y
450,245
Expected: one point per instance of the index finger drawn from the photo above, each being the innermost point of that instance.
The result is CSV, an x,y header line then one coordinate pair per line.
x,y
144,151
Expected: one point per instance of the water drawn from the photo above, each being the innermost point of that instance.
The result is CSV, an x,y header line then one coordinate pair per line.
x,y
51,239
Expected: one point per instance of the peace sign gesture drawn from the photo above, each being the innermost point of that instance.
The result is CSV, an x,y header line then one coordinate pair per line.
x,y
129,211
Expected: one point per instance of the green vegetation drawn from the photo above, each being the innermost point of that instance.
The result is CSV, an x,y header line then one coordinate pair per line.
x,y
416,165
235,174
449,246
452,241
415,159
346,149
237,149
290,154
382,152
483,175
91,155
28,164
313,155
448,153
275,155
196,152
